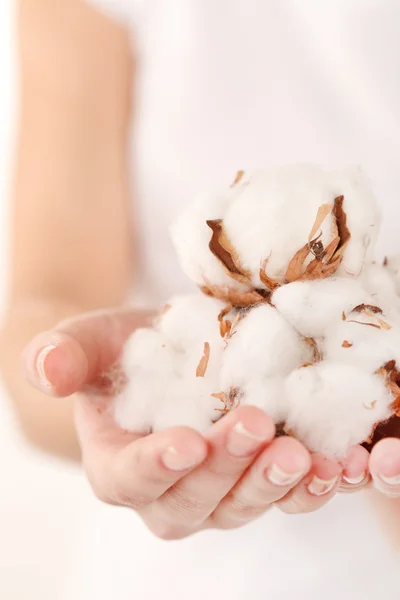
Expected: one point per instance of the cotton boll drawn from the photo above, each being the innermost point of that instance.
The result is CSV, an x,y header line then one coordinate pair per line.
x,y
363,217
191,237
152,404
263,345
183,372
273,215
360,344
332,406
310,306
189,403
267,394
149,363
162,388
189,323
135,407
189,319
269,216
150,350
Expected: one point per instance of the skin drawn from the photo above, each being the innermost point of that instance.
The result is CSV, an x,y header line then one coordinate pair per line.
x,y
77,71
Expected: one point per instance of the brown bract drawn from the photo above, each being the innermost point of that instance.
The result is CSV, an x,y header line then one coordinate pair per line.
x,y
391,427
317,354
322,213
346,344
236,297
326,260
391,375
226,253
229,401
363,307
270,284
203,364
225,325
369,311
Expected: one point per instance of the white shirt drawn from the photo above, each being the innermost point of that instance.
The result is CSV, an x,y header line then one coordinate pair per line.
x,y
237,84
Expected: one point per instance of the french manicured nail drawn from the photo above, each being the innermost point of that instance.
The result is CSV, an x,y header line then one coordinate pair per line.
x,y
354,480
242,442
279,477
176,461
35,371
393,480
320,487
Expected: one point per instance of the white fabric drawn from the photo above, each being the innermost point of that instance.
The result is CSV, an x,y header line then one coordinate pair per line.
x,y
227,85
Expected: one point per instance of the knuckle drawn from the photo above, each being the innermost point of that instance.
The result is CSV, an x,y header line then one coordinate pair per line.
x,y
144,468
187,509
222,472
293,506
131,500
243,512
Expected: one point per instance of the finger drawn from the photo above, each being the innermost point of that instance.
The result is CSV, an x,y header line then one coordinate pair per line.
x,y
355,474
272,475
316,489
233,444
384,465
79,351
134,471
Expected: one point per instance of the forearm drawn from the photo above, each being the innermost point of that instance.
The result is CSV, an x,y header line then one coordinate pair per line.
x,y
46,422
71,238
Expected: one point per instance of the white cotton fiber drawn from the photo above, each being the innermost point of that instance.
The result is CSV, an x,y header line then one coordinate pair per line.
x,y
272,217
191,236
268,394
362,344
189,319
264,345
295,317
149,349
161,364
362,215
333,406
188,403
311,306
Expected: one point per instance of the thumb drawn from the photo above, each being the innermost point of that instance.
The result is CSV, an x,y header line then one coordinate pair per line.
x,y
79,351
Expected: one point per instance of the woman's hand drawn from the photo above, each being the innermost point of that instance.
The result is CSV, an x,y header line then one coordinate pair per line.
x,y
178,480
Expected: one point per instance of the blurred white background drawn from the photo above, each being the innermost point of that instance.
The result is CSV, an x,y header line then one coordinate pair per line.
x,y
43,503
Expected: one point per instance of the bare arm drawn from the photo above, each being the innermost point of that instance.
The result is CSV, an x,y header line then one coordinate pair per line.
x,y
71,248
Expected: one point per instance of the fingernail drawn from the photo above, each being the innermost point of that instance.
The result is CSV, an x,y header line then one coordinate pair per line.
x,y
174,460
320,487
354,480
393,480
279,477
242,442
36,368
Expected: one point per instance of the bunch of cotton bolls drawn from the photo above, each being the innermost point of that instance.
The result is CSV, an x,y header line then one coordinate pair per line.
x,y
292,315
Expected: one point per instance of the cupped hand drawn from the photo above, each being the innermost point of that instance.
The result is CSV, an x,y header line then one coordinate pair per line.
x,y
178,480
